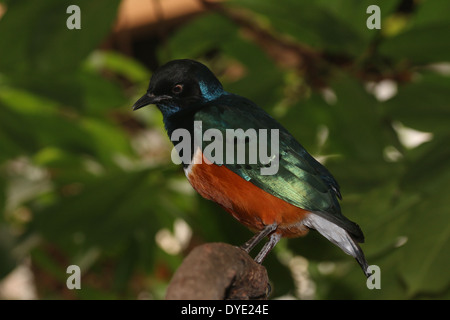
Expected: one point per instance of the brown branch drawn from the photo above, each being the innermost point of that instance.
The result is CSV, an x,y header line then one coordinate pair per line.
x,y
313,63
310,62
217,271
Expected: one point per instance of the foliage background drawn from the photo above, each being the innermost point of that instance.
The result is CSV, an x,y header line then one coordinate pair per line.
x,y
84,180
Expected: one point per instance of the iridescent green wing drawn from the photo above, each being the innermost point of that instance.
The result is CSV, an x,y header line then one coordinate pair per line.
x,y
300,180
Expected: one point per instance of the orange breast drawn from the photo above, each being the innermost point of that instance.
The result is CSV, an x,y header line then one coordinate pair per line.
x,y
249,204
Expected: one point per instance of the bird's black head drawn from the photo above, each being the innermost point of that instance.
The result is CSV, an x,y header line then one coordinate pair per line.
x,y
179,85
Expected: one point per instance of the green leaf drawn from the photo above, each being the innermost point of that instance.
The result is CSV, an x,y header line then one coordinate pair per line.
x,y
220,33
423,104
354,14
310,23
355,121
357,138
93,210
304,120
417,46
215,30
120,65
7,243
414,44
100,95
51,127
46,54
108,141
44,124
109,213
431,12
425,257
261,85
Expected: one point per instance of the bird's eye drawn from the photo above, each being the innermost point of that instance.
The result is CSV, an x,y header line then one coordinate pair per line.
x,y
177,89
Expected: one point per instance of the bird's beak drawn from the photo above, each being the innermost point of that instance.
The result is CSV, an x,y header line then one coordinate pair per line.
x,y
149,98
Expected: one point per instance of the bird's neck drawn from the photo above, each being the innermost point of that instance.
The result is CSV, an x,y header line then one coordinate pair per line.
x,y
211,91
182,116
177,117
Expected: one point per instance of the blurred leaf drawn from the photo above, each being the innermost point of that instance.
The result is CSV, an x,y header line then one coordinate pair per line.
x,y
7,242
309,23
356,128
108,140
3,186
213,224
219,33
216,32
431,12
425,258
416,45
13,141
109,213
357,138
104,77
120,64
423,104
280,276
99,94
38,115
94,210
429,168
357,10
46,54
304,120
89,136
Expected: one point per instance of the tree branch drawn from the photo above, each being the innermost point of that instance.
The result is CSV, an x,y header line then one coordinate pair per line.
x,y
218,271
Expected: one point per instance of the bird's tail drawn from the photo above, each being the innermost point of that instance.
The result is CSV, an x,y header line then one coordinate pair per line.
x,y
339,236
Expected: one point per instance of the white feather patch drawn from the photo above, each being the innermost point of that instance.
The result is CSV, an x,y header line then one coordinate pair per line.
x,y
332,232
197,158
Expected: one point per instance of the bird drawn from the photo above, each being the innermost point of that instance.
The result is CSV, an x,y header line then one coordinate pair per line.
x,y
301,195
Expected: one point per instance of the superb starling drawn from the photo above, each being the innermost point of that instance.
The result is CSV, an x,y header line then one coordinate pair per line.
x,y
301,194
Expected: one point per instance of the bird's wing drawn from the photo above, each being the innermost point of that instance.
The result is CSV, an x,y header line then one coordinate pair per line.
x,y
300,180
